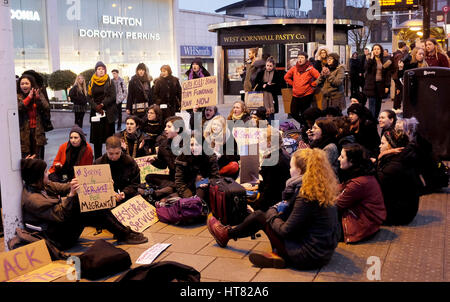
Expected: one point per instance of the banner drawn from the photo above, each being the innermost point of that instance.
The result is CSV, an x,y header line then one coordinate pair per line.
x,y
30,263
201,92
96,187
147,168
136,213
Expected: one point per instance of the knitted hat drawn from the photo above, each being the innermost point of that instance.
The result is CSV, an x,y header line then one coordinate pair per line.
x,y
32,170
261,113
100,64
356,109
396,139
78,130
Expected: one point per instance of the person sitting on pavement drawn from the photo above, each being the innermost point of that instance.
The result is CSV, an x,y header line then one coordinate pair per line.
x,y
364,130
163,185
53,209
194,168
239,112
360,204
398,180
387,120
303,229
344,135
323,136
124,169
75,152
153,126
133,141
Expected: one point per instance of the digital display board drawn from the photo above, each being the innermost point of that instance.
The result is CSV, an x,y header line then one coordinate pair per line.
x,y
398,5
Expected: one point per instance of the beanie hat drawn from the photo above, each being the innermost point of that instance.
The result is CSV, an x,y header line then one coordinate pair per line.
x,y
356,109
261,113
32,170
100,64
78,130
396,139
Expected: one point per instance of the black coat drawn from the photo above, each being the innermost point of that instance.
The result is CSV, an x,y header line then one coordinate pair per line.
x,y
356,67
368,137
399,184
125,173
165,157
107,98
78,98
274,181
188,167
139,137
370,67
168,91
153,129
137,95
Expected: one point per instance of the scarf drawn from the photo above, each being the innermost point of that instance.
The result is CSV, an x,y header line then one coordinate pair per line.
x,y
237,117
99,81
302,68
195,75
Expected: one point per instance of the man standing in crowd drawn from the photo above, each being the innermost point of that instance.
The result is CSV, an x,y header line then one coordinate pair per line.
x,y
121,95
399,55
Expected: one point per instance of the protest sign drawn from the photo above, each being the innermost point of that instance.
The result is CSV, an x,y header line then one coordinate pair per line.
x,y
248,136
201,92
147,168
136,213
30,263
96,187
152,253
254,99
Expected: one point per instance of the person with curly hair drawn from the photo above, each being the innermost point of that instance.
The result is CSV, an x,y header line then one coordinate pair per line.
x,y
303,229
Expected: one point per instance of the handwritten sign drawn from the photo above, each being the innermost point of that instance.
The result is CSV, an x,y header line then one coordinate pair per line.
x,y
152,253
96,187
30,263
254,99
248,136
147,168
136,213
201,92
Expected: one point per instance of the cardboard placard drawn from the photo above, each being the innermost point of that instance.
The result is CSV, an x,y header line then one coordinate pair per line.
x,y
147,168
136,213
96,187
30,263
248,136
201,92
254,99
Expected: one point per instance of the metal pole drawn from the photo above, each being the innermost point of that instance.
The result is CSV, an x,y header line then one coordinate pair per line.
x,y
329,25
426,19
10,154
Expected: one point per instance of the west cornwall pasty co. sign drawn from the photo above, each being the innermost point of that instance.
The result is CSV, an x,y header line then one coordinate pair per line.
x,y
255,37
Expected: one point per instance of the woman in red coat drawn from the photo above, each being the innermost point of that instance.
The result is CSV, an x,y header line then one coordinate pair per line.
x,y
75,152
361,203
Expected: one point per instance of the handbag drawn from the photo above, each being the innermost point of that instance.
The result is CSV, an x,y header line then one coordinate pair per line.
x,y
286,93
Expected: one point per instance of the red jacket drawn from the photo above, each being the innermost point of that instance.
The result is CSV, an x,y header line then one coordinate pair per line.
x,y
303,84
60,158
362,206
440,60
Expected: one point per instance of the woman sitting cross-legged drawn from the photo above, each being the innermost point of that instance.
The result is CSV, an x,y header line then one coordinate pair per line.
x,y
134,142
360,203
303,229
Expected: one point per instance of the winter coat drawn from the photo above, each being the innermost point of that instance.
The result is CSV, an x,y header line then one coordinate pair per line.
x,y
303,84
137,100
251,70
333,88
78,98
107,98
362,207
274,89
310,232
367,136
153,129
165,157
56,215
274,181
121,90
137,139
42,108
370,68
125,174
85,157
399,184
168,91
440,60
356,67
187,167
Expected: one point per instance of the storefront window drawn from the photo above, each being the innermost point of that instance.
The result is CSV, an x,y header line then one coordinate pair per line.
x,y
236,58
30,35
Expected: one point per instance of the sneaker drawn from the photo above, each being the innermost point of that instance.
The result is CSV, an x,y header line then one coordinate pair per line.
x,y
218,231
269,260
132,237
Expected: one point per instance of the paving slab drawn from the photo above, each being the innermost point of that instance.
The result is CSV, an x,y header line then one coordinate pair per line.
x,y
187,244
227,269
199,262
235,249
191,230
284,275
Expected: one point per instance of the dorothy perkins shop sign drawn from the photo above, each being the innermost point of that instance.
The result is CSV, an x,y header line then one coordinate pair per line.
x,y
116,21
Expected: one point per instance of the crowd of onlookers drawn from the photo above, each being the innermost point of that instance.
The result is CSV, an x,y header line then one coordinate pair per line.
x,y
342,184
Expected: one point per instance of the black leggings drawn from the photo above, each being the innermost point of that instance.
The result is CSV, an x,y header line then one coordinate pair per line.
x,y
255,222
299,105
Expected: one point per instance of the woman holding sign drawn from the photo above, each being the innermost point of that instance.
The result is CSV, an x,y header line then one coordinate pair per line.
x,y
197,70
167,92
134,142
102,98
53,209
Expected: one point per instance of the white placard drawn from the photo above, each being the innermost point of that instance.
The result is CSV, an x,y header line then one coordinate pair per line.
x,y
152,253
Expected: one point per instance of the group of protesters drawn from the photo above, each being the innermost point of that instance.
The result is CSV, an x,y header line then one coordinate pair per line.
x,y
342,187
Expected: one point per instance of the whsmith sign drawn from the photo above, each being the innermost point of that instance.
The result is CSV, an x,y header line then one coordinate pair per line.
x,y
194,51
257,37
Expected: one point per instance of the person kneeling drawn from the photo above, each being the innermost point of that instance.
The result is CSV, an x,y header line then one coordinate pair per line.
x,y
303,229
54,209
